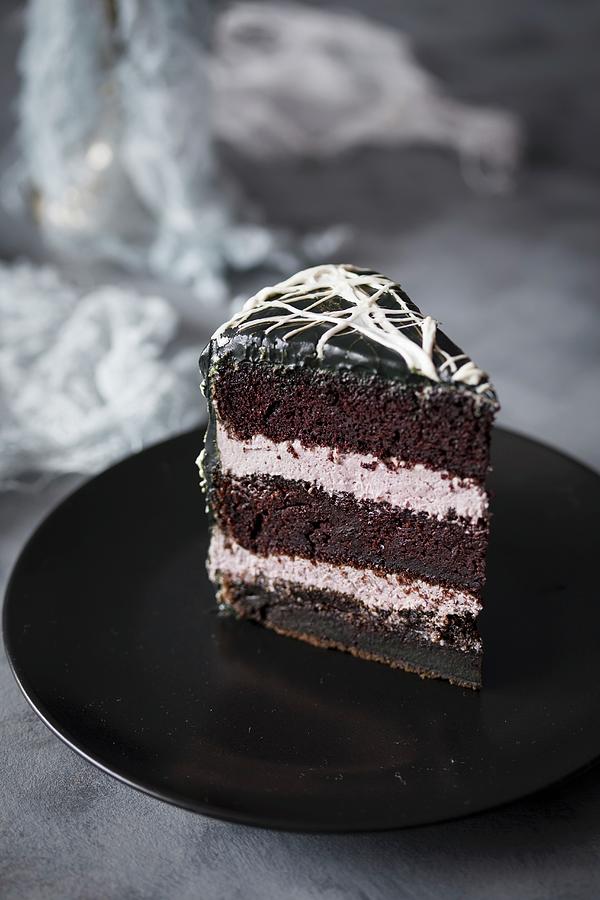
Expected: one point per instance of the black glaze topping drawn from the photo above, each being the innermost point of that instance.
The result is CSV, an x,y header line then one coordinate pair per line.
x,y
361,353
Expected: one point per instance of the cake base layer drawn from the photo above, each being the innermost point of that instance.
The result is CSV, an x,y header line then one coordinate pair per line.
x,y
326,620
269,515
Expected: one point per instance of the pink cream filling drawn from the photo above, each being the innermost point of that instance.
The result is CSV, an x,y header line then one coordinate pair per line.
x,y
413,487
375,591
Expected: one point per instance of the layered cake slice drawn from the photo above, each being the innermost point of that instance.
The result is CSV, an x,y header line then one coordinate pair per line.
x,y
345,464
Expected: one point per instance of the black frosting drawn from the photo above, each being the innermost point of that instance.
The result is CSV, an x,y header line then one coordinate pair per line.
x,y
342,352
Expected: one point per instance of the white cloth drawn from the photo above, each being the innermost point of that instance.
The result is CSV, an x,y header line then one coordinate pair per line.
x,y
86,377
117,120
292,80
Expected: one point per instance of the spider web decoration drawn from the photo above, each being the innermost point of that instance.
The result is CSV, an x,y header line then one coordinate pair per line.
x,y
344,299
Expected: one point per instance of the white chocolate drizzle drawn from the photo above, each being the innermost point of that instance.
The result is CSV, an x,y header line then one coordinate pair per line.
x,y
357,309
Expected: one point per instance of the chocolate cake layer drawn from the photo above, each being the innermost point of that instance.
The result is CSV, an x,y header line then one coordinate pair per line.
x,y
272,515
327,620
441,427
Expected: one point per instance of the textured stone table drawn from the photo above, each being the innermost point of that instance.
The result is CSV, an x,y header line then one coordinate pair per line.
x,y
515,279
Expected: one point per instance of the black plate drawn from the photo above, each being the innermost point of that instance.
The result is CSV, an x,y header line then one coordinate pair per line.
x,y
112,633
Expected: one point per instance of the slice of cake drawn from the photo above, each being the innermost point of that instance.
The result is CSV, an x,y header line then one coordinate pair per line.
x,y
345,464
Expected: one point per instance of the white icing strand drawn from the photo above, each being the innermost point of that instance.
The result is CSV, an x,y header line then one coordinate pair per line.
x,y
361,292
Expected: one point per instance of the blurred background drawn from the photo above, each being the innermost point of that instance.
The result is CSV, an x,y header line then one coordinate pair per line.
x,y
162,160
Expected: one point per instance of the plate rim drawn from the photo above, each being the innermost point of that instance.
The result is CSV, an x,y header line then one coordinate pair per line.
x,y
221,813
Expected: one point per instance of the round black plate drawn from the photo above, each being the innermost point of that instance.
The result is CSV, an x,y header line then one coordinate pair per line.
x,y
111,629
